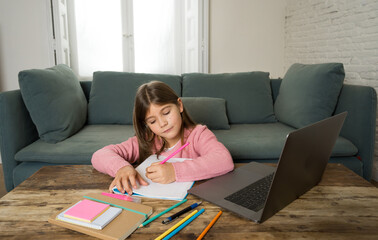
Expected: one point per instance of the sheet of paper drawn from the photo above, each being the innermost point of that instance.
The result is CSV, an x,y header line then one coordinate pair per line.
x,y
171,191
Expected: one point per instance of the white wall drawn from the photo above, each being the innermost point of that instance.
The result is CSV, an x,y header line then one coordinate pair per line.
x,y
24,34
319,31
247,35
23,39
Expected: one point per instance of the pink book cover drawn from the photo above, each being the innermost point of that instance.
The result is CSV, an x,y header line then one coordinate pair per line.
x,y
86,210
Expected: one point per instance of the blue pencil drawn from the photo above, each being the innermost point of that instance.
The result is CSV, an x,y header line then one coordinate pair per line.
x,y
183,225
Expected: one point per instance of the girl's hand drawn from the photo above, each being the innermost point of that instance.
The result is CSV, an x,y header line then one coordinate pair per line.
x,y
161,173
126,179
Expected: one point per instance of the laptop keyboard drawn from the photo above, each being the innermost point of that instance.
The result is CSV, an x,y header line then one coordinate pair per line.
x,y
252,196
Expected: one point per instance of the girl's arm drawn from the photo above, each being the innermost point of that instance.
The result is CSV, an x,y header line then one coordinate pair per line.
x,y
213,158
111,158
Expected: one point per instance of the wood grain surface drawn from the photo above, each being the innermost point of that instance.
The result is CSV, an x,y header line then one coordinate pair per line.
x,y
342,206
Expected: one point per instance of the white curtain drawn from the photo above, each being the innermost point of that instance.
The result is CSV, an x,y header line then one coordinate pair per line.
x,y
99,41
98,36
156,37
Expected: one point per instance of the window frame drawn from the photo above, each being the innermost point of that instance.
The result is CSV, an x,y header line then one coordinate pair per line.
x,y
128,40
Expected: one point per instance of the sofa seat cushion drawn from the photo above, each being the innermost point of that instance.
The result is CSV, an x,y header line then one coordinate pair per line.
x,y
244,141
265,141
77,149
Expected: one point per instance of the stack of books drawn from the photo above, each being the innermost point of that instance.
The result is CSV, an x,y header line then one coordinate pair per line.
x,y
90,214
116,219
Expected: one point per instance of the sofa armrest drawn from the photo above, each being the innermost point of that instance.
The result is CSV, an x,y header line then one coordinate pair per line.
x,y
359,127
17,130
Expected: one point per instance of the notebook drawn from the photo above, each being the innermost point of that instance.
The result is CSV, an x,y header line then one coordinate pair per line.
x,y
172,191
132,215
300,167
98,223
86,210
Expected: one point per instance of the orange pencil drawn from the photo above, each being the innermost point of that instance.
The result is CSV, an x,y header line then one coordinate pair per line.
x,y
209,226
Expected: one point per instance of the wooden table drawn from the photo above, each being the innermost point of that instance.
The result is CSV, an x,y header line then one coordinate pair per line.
x,y
342,206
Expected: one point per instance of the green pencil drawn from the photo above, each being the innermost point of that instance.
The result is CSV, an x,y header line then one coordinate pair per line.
x,y
163,212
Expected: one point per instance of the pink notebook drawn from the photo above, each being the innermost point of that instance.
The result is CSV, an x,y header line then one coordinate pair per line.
x,y
86,210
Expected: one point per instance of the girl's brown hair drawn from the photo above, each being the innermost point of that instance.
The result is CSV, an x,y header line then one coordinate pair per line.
x,y
157,93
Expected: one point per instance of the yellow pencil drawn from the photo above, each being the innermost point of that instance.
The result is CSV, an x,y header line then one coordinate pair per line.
x,y
209,226
176,225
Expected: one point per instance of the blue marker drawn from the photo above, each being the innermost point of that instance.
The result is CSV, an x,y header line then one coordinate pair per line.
x,y
176,215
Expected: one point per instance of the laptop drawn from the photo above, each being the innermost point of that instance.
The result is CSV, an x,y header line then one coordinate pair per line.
x,y
257,191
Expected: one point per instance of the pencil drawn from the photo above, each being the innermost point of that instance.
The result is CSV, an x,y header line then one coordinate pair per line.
x,y
163,212
176,225
209,226
184,224
178,150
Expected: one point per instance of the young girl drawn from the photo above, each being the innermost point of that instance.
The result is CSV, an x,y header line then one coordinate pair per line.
x,y
162,126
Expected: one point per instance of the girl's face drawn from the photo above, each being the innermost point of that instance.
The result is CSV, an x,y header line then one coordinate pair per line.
x,y
165,121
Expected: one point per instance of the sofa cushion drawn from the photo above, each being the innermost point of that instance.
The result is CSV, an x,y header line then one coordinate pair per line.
x,y
55,101
208,111
309,93
265,141
77,149
248,95
112,95
244,141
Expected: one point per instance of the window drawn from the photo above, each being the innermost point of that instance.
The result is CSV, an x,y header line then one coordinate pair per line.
x,y
150,36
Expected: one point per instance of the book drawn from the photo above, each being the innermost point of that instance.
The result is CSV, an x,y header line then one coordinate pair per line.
x,y
132,215
98,223
86,210
172,191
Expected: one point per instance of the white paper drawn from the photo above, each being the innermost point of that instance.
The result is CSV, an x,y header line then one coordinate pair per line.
x,y
171,191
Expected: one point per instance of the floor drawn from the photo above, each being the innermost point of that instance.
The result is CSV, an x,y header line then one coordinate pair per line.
x,y
3,191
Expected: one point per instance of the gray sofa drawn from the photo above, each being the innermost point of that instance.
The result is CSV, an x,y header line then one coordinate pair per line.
x,y
242,109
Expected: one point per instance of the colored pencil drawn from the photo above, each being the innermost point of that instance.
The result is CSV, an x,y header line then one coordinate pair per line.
x,y
163,212
209,226
176,215
176,225
184,224
178,150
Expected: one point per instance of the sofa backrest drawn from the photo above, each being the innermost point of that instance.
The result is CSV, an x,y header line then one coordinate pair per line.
x,y
112,94
86,86
248,95
275,85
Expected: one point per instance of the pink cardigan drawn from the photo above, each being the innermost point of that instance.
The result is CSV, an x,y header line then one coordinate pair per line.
x,y
210,158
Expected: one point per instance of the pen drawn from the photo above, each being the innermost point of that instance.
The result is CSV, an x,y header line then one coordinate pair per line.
x,y
178,150
163,212
176,215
